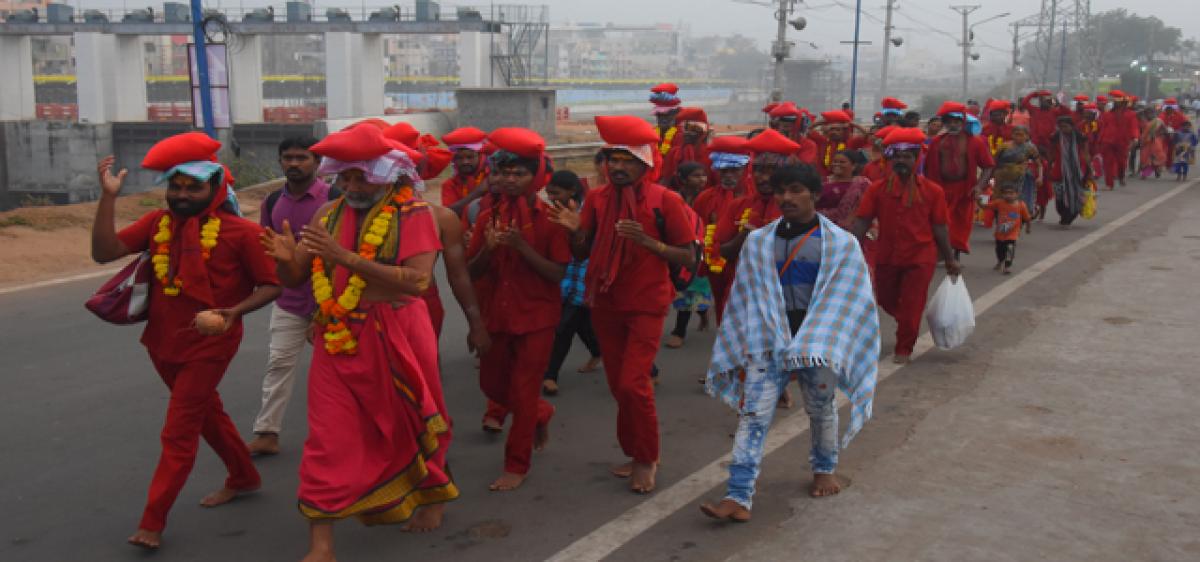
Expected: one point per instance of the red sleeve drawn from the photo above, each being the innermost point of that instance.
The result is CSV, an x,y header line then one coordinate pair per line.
x,y
983,155
450,192
477,235
260,266
939,213
808,152
1025,218
680,226
418,235
1025,102
136,236
868,206
558,250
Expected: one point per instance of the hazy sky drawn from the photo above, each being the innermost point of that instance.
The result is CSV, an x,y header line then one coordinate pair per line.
x,y
830,21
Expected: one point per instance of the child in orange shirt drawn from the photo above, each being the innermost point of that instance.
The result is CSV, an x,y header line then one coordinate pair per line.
x,y
1009,214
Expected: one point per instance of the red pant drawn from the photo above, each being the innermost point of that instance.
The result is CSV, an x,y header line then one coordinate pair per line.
x,y
628,343
1116,158
511,375
961,205
194,410
901,291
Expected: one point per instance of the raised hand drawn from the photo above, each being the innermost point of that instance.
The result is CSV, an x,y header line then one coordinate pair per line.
x,y
566,216
110,184
631,230
318,241
281,246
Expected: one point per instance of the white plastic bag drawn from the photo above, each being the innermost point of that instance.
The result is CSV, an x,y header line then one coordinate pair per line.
x,y
950,314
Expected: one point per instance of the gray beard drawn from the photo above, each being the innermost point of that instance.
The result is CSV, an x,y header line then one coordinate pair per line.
x,y
360,202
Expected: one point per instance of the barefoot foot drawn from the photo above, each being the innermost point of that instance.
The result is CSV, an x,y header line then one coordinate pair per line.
x,y
146,539
224,496
492,425
319,556
674,342
507,482
426,519
726,509
642,479
264,444
550,387
902,359
622,470
590,366
824,485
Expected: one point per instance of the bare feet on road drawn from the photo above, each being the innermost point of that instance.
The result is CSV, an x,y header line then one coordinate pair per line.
x,y
622,470
507,482
146,539
590,366
641,481
264,444
224,496
824,485
726,509
426,519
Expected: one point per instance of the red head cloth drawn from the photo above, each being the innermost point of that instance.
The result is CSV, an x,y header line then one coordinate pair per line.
x,y
885,131
836,116
770,107
402,132
1083,98
407,150
732,144
665,88
771,141
892,103
787,110
373,121
905,136
952,107
694,114
1091,107
1133,99
178,149
1101,98
626,130
355,144
997,105
1117,95
1170,101
464,136
522,142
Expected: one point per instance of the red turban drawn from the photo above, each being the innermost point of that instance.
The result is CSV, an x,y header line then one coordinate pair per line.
x,y
402,132
785,110
771,141
464,136
691,114
358,143
951,107
732,144
179,149
892,103
835,116
626,130
522,142
905,135
665,88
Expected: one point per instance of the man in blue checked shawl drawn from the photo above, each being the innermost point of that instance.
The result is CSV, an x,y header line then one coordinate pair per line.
x,y
801,307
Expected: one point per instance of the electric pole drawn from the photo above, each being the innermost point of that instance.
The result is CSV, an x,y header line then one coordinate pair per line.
x,y
780,50
966,41
887,46
1149,60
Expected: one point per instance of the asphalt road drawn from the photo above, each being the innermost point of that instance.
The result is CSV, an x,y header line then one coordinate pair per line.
x,y
81,412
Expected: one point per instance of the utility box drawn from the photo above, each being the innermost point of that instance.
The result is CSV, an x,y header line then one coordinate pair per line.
x,y
428,10
176,12
299,11
59,13
337,14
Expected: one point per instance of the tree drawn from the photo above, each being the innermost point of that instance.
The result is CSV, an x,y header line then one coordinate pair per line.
x,y
1133,82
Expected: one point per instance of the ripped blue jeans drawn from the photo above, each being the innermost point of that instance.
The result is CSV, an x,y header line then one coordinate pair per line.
x,y
818,386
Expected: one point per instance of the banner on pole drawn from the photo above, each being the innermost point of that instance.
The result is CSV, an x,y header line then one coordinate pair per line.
x,y
218,79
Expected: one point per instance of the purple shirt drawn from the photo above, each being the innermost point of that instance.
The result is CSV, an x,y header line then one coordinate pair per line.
x,y
298,211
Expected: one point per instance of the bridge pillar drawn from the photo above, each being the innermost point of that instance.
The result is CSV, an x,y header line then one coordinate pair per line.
x,y
353,74
245,80
16,88
475,61
110,77
370,99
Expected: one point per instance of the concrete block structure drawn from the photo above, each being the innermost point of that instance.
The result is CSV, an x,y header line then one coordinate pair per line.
x,y
491,108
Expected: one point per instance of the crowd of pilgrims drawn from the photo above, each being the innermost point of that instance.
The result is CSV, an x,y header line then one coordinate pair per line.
x,y
785,239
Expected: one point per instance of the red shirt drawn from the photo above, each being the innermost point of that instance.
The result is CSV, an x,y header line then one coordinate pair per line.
x,y
1009,217
518,300
456,189
644,285
237,266
996,136
1119,126
764,210
1042,121
905,230
1174,118
712,202
977,156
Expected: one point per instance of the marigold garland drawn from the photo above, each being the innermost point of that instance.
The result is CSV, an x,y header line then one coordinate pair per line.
x,y
339,340
162,251
745,222
665,147
829,152
996,142
712,253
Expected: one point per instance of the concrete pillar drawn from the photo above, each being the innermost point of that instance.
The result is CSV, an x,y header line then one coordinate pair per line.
x,y
370,96
94,79
245,80
16,88
129,78
341,73
475,61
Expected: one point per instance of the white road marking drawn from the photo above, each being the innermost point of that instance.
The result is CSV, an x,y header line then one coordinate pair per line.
x,y
613,535
59,281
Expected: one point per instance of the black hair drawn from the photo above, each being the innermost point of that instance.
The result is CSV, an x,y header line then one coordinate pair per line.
x,y
912,117
803,174
504,159
687,168
566,179
303,142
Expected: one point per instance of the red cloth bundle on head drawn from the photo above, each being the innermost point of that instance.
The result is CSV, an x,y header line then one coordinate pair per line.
x,y
787,110
949,107
730,144
905,136
358,143
997,105
883,132
524,143
1101,98
178,149
892,103
1082,98
835,116
772,142
372,121
407,150
665,88
692,114
403,132
770,107
464,136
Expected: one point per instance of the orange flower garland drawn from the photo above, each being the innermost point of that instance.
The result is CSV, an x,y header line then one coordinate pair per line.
x,y
162,251
339,340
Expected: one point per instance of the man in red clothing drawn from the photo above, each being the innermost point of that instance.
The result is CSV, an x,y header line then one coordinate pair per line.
x,y
665,98
997,131
962,165
523,255
631,229
1042,116
730,157
891,111
206,258
757,208
469,181
1118,129
793,123
693,126
833,135
1174,118
912,216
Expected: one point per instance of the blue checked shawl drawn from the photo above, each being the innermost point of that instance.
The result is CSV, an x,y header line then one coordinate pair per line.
x,y
840,331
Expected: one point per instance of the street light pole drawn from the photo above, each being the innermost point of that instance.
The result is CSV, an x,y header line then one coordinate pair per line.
x,y
887,46
781,49
966,41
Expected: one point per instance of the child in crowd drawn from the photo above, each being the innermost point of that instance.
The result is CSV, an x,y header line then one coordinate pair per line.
x,y
1185,150
1021,151
576,319
1009,214
691,178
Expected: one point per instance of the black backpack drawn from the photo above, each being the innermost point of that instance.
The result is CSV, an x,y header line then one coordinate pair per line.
x,y
681,276
269,205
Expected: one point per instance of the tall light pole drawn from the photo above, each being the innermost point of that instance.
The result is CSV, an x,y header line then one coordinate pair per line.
x,y
887,45
781,48
966,41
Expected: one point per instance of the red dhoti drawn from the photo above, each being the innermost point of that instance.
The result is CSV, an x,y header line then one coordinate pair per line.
x,y
511,377
628,343
1116,158
901,291
437,312
721,283
194,409
377,433
960,203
